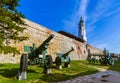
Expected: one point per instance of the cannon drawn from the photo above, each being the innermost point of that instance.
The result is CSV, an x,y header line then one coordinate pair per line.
x,y
93,60
107,60
63,58
36,56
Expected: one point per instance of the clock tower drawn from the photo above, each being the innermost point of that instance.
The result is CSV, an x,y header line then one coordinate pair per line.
x,y
82,30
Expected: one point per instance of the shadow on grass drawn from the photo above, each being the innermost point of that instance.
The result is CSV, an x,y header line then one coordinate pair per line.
x,y
10,73
97,64
54,67
2,65
32,71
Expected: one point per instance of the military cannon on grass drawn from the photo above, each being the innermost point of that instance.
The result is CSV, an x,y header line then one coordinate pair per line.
x,y
36,56
63,58
94,58
107,58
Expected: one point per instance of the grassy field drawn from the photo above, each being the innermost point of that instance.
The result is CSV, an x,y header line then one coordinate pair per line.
x,y
8,73
85,62
116,67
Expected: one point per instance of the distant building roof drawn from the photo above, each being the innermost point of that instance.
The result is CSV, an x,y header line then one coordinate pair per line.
x,y
71,36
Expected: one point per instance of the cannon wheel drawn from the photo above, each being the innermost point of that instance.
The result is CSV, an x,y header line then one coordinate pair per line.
x,y
67,63
23,63
48,61
58,61
48,64
112,62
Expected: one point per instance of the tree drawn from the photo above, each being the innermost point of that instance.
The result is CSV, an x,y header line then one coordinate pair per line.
x,y
11,22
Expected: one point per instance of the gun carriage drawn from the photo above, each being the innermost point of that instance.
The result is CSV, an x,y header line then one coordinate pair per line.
x,y
36,56
63,58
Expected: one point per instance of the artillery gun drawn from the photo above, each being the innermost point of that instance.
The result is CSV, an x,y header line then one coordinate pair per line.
x,y
63,58
94,58
36,56
107,58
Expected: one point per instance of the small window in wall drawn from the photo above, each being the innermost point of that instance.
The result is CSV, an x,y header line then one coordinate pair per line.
x,y
84,51
78,47
88,51
86,46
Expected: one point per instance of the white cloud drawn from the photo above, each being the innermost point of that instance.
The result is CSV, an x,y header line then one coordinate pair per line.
x,y
80,10
102,10
112,12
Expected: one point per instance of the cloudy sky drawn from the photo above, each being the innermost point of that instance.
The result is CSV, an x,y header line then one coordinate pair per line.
x,y
102,18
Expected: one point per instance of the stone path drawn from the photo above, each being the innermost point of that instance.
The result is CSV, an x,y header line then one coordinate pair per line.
x,y
104,76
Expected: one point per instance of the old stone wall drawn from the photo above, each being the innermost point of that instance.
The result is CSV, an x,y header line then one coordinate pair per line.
x,y
94,50
60,43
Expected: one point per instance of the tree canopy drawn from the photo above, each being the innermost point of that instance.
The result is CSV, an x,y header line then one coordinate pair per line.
x,y
11,22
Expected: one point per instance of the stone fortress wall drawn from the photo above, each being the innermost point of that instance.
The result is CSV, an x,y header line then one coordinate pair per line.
x,y
60,43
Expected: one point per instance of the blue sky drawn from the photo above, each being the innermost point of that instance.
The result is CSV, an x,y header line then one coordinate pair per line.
x,y
102,18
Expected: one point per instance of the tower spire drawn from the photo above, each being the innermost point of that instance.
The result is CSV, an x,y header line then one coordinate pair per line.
x,y
81,18
82,30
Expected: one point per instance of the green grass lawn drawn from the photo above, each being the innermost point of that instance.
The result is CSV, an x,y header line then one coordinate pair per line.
x,y
8,73
116,67
85,62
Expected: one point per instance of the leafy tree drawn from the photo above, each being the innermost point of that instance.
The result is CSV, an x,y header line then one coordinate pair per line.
x,y
11,22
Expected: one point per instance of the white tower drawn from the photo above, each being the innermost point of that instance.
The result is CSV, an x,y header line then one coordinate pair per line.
x,y
82,30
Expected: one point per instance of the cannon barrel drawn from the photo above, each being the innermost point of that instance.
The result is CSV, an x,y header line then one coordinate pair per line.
x,y
48,39
67,53
42,48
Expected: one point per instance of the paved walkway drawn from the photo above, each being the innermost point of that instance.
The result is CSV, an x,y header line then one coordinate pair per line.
x,y
104,76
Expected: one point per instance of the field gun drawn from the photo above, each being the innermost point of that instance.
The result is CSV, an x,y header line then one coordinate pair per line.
x,y
63,58
107,58
36,56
